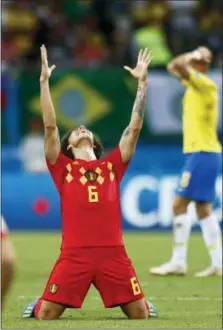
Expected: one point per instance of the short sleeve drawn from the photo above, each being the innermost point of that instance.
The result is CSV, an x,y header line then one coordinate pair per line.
x,y
57,169
201,82
116,161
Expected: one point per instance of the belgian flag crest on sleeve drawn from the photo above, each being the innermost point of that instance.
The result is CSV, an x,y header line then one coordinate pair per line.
x,y
53,288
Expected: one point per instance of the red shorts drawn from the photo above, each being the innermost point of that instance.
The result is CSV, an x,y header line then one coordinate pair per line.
x,y
108,268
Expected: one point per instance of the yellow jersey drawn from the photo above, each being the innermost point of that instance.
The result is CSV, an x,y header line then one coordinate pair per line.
x,y
200,114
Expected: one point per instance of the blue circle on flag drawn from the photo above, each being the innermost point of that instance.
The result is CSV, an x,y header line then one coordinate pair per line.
x,y
72,104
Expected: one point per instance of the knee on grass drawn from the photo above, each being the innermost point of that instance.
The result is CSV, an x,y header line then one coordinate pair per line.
x,y
46,311
46,314
136,310
139,313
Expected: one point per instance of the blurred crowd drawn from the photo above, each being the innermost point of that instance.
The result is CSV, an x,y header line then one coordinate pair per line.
x,y
93,33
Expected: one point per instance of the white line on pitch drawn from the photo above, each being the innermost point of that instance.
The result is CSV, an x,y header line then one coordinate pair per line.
x,y
27,297
186,298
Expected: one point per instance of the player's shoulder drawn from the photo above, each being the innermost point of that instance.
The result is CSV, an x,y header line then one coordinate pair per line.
x,y
105,161
113,157
62,160
62,157
204,77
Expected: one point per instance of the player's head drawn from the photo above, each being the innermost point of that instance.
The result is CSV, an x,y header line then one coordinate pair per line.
x,y
78,138
203,64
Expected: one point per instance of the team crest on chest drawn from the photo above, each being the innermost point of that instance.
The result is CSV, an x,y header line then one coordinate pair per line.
x,y
91,176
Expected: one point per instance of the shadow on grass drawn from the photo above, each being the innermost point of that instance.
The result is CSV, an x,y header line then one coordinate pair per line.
x,y
86,318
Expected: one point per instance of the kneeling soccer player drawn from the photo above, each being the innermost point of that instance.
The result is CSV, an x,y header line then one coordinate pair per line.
x,y
92,250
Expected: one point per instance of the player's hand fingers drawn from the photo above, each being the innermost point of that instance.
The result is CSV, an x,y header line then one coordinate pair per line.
x,y
44,63
205,52
52,68
196,55
128,69
149,56
43,57
207,59
140,55
149,60
43,53
145,54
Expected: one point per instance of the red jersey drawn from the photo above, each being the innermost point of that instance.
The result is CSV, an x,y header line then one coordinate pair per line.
x,y
90,199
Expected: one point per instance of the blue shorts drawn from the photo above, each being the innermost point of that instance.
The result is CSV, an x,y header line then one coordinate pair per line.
x,y
199,176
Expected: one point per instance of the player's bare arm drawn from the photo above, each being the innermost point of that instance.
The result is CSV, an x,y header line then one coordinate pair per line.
x,y
52,141
131,133
180,66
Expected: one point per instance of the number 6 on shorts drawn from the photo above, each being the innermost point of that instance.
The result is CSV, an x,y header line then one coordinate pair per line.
x,y
135,286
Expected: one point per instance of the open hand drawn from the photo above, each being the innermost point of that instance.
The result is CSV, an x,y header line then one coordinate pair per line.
x,y
144,59
46,71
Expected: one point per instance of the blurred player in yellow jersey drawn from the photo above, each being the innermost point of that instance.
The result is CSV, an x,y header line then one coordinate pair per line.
x,y
202,163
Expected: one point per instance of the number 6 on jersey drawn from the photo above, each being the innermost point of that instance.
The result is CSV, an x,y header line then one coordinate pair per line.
x,y
92,194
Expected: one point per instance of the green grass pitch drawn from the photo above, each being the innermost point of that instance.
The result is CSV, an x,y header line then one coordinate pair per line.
x,y
182,302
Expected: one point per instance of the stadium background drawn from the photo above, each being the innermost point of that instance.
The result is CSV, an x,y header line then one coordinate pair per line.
x,y
90,41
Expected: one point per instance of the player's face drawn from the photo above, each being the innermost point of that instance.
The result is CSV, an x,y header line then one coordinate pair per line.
x,y
80,134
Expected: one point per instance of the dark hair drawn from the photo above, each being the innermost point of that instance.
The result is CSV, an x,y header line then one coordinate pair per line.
x,y
98,147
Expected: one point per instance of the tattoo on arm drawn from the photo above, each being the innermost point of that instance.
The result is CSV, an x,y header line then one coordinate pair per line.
x,y
140,101
126,131
131,133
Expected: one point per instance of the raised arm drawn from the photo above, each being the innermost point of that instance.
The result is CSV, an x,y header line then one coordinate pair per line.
x,y
52,141
181,65
131,134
